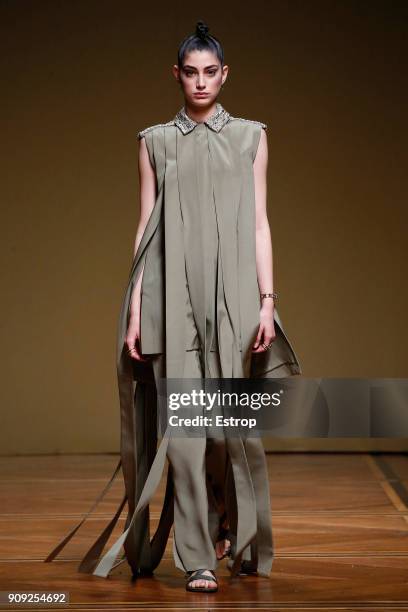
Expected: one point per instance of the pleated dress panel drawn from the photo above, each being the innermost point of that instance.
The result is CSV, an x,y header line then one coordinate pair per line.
x,y
199,241
200,235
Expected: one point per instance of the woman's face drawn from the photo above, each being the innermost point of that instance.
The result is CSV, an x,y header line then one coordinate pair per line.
x,y
201,78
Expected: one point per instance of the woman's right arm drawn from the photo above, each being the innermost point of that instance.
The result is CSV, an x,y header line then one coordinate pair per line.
x,y
147,182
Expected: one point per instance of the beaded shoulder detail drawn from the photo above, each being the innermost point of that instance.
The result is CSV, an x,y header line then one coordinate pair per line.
x,y
250,121
152,127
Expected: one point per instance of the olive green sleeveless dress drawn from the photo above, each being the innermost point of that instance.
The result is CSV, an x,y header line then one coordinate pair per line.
x,y
199,293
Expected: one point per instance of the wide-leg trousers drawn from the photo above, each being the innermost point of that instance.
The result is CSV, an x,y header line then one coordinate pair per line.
x,y
199,467
203,483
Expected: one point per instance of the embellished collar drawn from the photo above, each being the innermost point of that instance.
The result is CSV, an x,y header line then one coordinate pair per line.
x,y
216,121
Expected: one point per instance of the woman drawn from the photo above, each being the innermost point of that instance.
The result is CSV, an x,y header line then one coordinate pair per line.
x,y
199,304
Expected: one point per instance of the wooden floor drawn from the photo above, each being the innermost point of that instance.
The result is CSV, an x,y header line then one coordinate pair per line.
x,y
340,526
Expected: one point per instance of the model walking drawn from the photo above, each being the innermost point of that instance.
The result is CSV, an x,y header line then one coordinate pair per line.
x,y
199,304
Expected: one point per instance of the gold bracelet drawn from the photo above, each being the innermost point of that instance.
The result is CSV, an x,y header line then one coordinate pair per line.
x,y
272,295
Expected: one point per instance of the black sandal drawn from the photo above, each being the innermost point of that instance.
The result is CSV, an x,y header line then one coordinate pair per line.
x,y
224,534
247,568
199,575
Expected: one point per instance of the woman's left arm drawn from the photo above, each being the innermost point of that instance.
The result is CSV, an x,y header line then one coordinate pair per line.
x,y
264,263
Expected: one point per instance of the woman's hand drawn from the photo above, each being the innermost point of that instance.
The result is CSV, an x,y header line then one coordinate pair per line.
x,y
132,339
266,332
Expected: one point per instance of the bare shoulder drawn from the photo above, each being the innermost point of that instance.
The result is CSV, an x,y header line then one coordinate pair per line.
x,y
151,128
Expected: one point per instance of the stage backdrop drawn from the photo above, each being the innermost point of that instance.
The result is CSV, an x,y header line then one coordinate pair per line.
x,y
80,79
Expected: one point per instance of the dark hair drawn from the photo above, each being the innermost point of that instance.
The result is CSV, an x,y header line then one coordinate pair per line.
x,y
199,41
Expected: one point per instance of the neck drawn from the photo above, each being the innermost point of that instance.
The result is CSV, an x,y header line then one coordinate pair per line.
x,y
200,114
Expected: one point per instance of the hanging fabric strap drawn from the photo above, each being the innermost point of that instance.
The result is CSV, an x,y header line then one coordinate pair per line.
x,y
68,537
106,564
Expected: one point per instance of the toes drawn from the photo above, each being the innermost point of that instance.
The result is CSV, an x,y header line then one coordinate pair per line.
x,y
202,583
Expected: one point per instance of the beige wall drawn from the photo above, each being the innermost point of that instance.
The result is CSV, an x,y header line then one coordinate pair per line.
x,y
80,79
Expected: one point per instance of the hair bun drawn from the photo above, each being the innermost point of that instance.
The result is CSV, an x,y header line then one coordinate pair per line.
x,y
201,29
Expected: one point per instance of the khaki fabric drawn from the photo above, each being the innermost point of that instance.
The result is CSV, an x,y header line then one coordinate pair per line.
x,y
200,301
